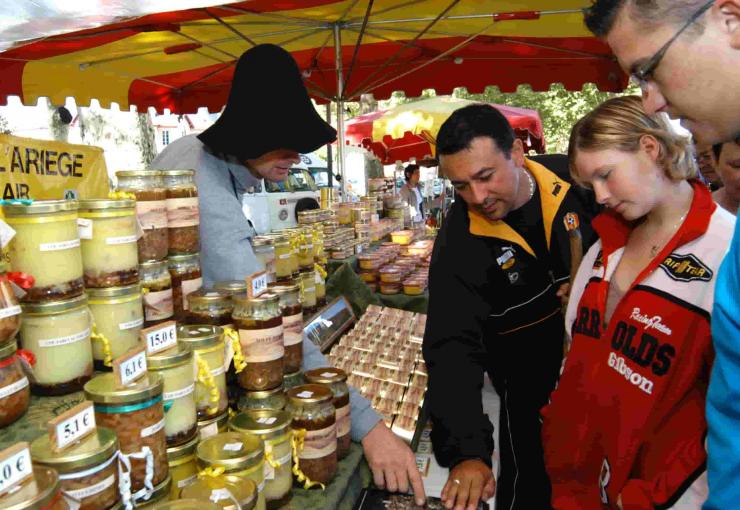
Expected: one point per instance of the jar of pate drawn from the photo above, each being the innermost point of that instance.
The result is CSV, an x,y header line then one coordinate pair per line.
x,y
308,291
293,379
292,312
207,344
15,393
336,380
183,215
156,284
175,365
41,492
186,279
264,250
183,468
151,210
227,491
10,310
212,307
118,316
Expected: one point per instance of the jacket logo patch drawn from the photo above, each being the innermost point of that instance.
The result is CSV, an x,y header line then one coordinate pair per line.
x,y
571,221
654,322
685,268
507,260
513,278
556,189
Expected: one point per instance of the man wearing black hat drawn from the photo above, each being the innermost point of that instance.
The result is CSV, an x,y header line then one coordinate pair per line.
x,y
267,122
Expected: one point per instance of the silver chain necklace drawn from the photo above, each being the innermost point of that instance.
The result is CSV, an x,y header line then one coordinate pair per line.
x,y
531,184
656,247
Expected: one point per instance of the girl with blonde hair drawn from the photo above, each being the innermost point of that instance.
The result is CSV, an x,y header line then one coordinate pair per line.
x,y
625,428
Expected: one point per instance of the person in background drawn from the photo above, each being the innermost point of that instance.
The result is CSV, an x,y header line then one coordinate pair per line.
x,y
686,57
500,264
251,141
728,155
707,160
411,192
625,427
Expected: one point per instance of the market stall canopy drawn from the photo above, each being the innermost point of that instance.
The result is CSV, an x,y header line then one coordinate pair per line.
x,y
184,59
410,130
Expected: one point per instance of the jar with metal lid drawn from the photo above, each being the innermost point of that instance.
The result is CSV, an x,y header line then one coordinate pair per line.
x,y
183,213
308,291
238,454
292,312
151,210
183,468
118,316
285,259
10,310
207,344
212,426
293,379
315,430
46,246
273,399
156,284
186,504
186,279
158,496
42,492
336,380
15,394
209,307
260,325
107,230
136,414
88,470
231,287
317,233
273,427
305,247
58,335
264,250
227,492
320,288
175,365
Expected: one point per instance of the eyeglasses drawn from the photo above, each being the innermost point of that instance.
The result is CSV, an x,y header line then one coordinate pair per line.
x,y
644,73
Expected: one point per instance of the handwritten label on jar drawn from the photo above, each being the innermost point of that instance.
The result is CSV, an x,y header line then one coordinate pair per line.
x,y
343,421
209,430
113,241
260,345
160,337
293,329
71,426
284,256
65,340
130,366
85,228
10,311
233,447
158,305
150,431
218,371
266,420
174,395
328,375
15,466
319,443
59,246
131,324
152,214
13,388
93,489
188,287
305,394
182,212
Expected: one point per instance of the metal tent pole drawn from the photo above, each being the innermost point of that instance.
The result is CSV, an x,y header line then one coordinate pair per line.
x,y
329,156
340,107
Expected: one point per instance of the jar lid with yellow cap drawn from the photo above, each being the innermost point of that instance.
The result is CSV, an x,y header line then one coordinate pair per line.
x,y
113,292
231,287
326,375
234,451
183,451
186,504
226,491
36,493
208,297
139,173
54,307
265,423
91,451
220,421
39,207
199,336
102,389
105,204
175,356
310,394
7,350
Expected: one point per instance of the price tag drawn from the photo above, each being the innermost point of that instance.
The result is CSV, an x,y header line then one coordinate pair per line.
x,y
266,420
85,228
129,367
305,394
15,466
328,375
233,447
6,234
159,338
71,426
256,284
220,494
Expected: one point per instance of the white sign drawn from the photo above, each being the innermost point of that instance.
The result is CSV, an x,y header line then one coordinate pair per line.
x,y
85,228
131,367
71,429
233,447
61,245
15,466
264,420
257,284
161,338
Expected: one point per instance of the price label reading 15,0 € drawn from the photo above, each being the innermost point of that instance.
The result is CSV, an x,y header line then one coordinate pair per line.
x,y
15,466
160,337
72,426
130,367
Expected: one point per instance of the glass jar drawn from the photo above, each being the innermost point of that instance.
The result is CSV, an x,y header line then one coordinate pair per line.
x,y
314,424
229,493
186,279
175,365
58,335
107,230
158,496
240,455
293,379
317,232
320,290
10,310
183,468
46,246
231,287
156,284
151,210
88,470
187,504
209,307
207,344
308,291
42,492
136,414
15,394
260,326
118,315
183,214
292,312
285,259
273,427
305,248
273,399
264,250
212,426
336,380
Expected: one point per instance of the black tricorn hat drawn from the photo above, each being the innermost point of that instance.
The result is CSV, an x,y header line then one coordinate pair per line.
x,y
268,109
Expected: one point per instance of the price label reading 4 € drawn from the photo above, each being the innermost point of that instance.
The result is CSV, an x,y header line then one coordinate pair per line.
x,y
130,367
68,428
160,337
15,466
256,284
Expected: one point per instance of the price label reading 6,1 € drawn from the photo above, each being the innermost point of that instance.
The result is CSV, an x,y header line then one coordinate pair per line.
x,y
68,428
15,466
160,337
130,367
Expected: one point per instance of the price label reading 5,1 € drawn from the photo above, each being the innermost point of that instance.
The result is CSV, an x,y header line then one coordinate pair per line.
x,y
68,428
15,466
129,367
160,337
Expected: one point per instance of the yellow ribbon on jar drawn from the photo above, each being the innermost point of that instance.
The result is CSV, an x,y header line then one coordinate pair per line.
x,y
271,459
239,362
107,352
119,195
206,377
296,442
320,270
211,472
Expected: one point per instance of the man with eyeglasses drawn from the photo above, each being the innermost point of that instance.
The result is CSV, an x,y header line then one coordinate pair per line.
x,y
685,55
